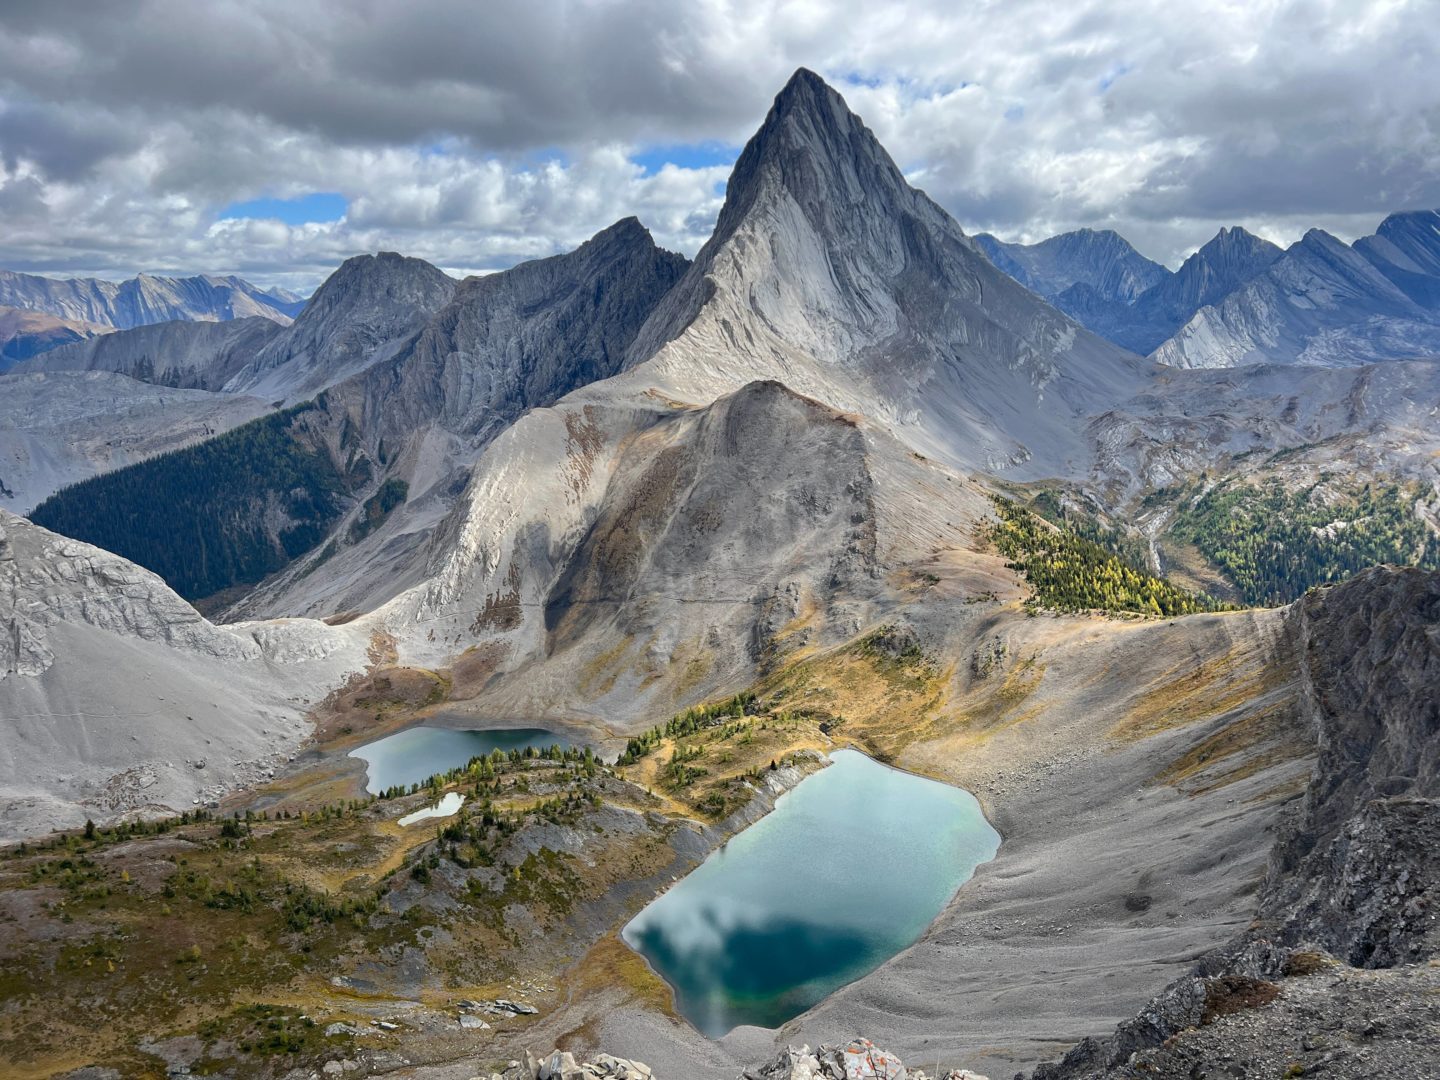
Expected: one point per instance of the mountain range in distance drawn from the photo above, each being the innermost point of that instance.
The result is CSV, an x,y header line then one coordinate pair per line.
x,y
1243,300
63,310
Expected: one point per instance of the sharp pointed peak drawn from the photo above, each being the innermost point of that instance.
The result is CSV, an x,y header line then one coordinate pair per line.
x,y
809,140
807,94
802,85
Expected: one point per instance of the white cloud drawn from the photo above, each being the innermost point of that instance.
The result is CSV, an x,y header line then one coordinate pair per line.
x,y
475,136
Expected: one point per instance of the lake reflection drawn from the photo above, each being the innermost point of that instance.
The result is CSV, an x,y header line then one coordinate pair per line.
x,y
849,869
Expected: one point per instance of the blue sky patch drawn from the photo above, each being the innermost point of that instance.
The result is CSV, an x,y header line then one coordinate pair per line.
x,y
700,155
1108,79
317,206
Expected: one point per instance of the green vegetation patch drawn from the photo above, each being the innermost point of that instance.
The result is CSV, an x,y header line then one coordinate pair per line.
x,y
689,722
1275,543
202,517
1069,572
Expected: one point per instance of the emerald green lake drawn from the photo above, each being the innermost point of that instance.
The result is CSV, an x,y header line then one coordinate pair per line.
x,y
847,870
416,754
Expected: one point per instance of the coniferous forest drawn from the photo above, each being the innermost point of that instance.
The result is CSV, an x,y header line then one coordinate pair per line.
x,y
1275,543
225,512
1070,572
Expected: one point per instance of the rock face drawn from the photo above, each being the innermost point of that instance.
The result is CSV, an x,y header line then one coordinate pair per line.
x,y
512,341
1356,877
1241,300
1101,259
441,370
188,355
1406,249
1360,876
1227,262
146,299
502,345
1093,275
366,310
666,551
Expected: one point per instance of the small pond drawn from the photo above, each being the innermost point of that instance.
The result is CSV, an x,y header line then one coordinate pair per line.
x,y
847,870
418,753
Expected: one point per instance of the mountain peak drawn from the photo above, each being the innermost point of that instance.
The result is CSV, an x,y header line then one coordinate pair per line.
x,y
629,230
814,148
804,89
1237,246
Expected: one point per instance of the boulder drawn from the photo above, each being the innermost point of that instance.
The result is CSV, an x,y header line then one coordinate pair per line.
x,y
863,1060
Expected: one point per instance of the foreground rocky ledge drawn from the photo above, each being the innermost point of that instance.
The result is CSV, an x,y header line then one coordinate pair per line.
x,y
859,1060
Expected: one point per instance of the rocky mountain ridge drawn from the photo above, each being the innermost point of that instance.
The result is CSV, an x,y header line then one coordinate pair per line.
x,y
1093,275
368,308
1242,300
146,299
230,696
603,487
377,458
1352,881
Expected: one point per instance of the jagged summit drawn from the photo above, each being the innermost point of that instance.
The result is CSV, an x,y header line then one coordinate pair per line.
x,y
502,344
1226,262
1320,303
1235,250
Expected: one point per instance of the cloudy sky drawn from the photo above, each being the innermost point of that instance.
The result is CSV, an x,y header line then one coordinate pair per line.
x,y
273,138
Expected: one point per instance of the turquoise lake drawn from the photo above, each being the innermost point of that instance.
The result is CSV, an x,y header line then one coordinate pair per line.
x,y
847,870
416,754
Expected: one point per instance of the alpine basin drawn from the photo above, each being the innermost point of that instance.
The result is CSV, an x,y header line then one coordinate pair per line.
x,y
848,870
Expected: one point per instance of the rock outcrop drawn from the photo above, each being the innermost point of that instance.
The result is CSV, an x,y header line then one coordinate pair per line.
x,y
860,1059
1355,883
